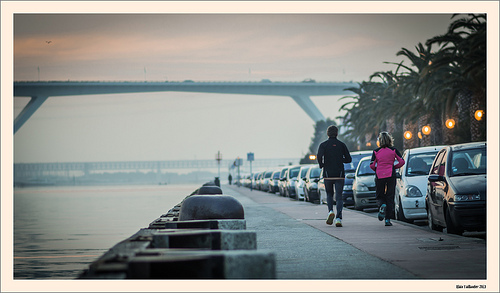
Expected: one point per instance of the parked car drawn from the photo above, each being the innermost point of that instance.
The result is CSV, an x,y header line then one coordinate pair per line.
x,y
363,185
299,187
411,183
265,181
274,182
311,184
247,181
291,180
282,184
456,189
255,177
350,168
260,178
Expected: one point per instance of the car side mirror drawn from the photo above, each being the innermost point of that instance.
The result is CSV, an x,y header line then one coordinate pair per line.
x,y
434,178
398,175
350,176
316,180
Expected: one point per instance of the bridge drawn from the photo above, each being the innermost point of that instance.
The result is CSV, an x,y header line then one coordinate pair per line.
x,y
32,170
300,92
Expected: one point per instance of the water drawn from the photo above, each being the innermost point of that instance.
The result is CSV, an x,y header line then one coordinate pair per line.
x,y
59,231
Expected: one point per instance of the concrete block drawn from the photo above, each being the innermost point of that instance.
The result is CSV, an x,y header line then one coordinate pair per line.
x,y
205,239
204,207
163,223
182,264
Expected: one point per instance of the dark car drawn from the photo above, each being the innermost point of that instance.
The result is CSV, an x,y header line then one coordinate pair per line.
x,y
274,182
456,189
311,180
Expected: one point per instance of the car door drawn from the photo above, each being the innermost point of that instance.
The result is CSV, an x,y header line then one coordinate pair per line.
x,y
437,187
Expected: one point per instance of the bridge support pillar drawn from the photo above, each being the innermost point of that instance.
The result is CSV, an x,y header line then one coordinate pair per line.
x,y
308,106
26,113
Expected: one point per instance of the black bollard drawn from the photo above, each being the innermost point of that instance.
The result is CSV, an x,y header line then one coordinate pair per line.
x,y
205,207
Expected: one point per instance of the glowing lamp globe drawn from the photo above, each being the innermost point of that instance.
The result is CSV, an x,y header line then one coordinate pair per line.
x,y
407,134
450,123
426,130
479,115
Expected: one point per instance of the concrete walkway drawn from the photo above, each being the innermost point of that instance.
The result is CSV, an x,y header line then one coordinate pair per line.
x,y
363,249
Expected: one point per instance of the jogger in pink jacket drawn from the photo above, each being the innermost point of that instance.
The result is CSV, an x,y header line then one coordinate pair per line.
x,y
382,162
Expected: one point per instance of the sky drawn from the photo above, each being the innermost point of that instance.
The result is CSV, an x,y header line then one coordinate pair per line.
x,y
163,46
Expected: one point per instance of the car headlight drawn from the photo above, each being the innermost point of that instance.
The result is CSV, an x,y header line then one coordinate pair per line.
x,y
347,187
362,187
413,191
466,197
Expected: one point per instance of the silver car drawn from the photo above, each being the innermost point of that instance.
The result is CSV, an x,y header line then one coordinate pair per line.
x,y
299,187
363,186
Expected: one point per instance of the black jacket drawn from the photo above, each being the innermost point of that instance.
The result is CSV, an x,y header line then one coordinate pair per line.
x,y
332,154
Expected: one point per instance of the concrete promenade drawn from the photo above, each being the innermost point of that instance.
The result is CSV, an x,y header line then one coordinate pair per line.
x,y
363,249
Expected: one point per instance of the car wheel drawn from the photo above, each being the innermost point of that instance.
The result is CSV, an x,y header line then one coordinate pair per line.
x,y
451,228
356,205
400,215
431,224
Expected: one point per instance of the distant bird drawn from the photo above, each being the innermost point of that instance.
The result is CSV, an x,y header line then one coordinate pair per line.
x,y
48,42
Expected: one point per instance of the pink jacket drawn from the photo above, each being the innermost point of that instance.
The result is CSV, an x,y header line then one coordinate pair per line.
x,y
382,162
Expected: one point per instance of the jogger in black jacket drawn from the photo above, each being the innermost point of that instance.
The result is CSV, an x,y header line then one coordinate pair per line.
x,y
332,154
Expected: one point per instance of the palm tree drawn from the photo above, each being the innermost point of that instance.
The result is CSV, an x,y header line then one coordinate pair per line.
x,y
463,56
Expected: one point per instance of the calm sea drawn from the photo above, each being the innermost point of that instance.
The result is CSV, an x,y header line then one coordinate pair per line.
x,y
59,231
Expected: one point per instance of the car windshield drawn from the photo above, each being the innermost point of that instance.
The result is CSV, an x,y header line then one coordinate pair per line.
x,y
420,164
351,167
364,169
294,172
268,175
276,175
468,162
315,173
303,171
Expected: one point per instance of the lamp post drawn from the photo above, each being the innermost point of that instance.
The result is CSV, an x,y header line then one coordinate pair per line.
x,y
218,158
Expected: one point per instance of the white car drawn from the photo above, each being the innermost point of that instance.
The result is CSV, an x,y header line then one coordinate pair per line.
x,y
411,183
299,186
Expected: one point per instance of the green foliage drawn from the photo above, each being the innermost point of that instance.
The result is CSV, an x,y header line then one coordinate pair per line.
x,y
449,82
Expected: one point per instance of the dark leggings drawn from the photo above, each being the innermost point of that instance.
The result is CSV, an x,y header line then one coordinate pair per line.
x,y
385,195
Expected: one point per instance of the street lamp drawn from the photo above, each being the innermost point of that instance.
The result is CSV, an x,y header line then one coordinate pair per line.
x,y
218,158
312,157
407,134
450,123
479,115
426,130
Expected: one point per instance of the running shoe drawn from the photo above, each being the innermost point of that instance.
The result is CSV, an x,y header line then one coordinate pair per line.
x,y
338,222
381,212
331,216
388,222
